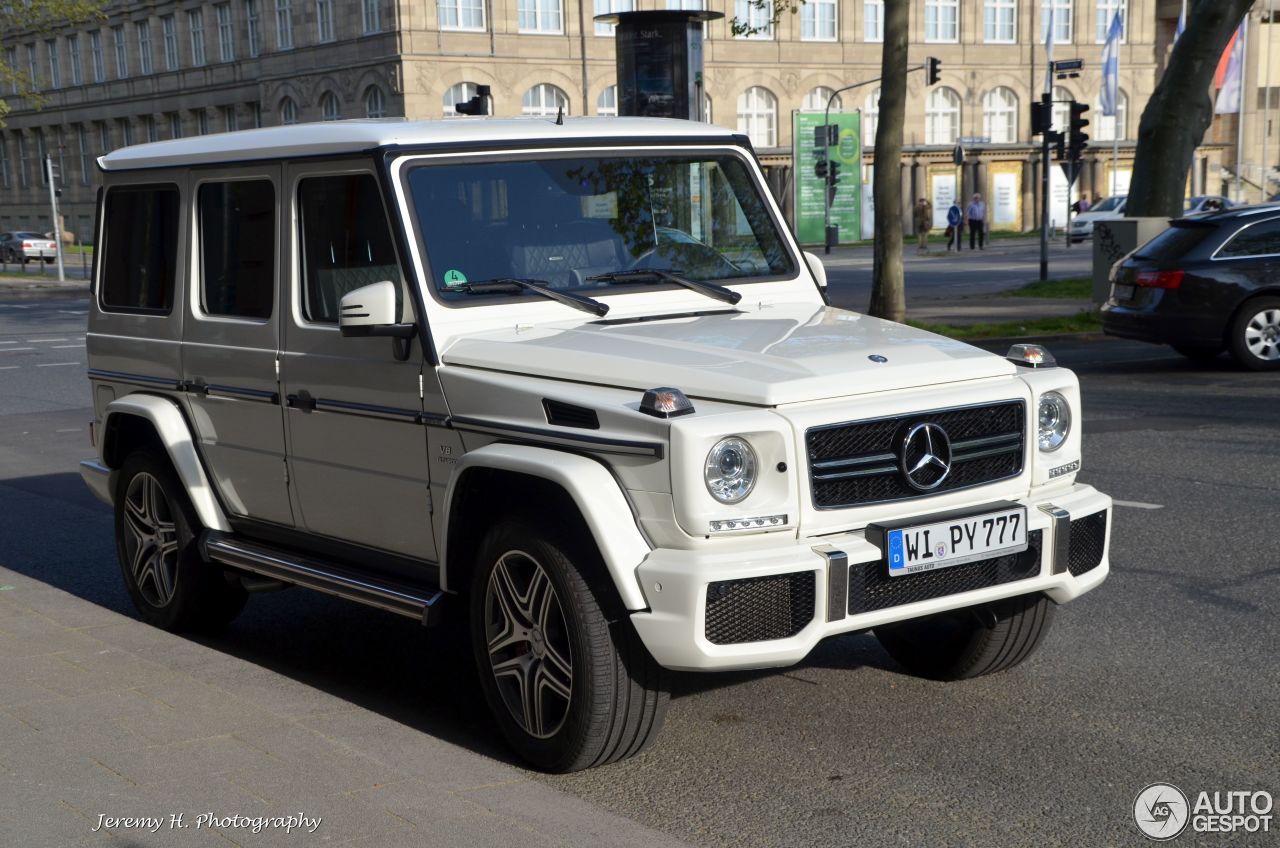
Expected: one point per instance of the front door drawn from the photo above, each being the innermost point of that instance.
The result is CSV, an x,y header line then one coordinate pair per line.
x,y
357,444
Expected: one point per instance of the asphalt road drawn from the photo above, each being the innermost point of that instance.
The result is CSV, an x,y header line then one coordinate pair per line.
x,y
1168,672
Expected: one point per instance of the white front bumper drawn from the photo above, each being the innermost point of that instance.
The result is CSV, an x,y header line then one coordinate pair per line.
x,y
675,584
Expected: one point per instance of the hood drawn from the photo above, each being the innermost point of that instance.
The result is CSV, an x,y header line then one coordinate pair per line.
x,y
768,356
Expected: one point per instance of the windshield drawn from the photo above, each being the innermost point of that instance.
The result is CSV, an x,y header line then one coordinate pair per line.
x,y
1109,204
563,221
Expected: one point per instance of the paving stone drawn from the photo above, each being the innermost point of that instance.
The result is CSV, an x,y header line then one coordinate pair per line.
x,y
299,756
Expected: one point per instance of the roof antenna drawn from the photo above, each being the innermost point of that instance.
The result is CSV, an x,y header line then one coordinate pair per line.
x,y
560,116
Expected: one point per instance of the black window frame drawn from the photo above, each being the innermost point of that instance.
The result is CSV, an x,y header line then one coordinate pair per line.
x,y
102,257
1220,256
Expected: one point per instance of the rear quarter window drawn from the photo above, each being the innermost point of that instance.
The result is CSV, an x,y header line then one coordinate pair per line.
x,y
140,251
1258,239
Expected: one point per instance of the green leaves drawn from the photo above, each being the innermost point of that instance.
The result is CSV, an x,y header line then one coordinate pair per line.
x,y
28,23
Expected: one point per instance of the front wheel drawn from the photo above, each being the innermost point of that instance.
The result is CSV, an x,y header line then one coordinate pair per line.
x,y
971,642
1254,337
570,686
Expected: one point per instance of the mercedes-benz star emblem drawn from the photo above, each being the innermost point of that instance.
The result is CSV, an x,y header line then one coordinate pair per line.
x,y
925,456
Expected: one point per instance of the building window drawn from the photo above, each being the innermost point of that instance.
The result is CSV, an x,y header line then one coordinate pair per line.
x,y
82,140
22,159
144,47
175,125
169,27
873,20
706,108
324,21
375,103
121,51
202,122
254,35
149,128
11,59
1062,11
96,60
604,7
999,22
4,161
226,33
816,100
458,93
1061,114
942,117
1112,127
230,120
1106,11
545,100
870,118
104,137
330,109
607,102
461,14
818,20
372,14
288,111
758,18
539,15
284,24
686,5
942,20
41,152
73,50
758,116
32,62
195,23
55,66
256,109
1000,116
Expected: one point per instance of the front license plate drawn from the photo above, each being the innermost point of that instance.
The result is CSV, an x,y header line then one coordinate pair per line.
x,y
1122,292
957,541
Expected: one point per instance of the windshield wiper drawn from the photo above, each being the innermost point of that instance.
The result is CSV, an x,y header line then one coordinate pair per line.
x,y
654,275
512,285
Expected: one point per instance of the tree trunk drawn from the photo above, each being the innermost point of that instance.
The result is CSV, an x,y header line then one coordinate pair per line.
x,y
888,299
1181,109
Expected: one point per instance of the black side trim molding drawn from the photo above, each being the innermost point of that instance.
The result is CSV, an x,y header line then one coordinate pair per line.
x,y
599,444
129,377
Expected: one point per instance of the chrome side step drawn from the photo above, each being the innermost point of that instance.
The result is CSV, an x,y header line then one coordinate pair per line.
x,y
414,601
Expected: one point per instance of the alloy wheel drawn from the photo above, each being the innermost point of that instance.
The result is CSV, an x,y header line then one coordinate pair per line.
x,y
151,539
1262,335
528,644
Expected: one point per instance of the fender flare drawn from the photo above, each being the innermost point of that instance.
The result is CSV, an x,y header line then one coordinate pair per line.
x,y
593,489
170,425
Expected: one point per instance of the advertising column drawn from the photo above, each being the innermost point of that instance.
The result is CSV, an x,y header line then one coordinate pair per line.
x,y
846,205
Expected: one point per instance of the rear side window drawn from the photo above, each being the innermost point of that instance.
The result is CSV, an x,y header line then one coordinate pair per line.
x,y
141,252
238,248
1175,242
346,241
1260,239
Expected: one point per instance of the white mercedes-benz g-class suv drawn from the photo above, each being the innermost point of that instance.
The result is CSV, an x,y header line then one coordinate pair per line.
x,y
570,383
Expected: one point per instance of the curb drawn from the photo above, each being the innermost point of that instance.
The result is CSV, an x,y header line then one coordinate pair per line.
x,y
1057,337
10,285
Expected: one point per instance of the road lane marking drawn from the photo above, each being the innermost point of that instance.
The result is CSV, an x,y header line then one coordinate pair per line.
x,y
1137,504
64,347
15,349
54,364
9,367
74,311
39,341
69,430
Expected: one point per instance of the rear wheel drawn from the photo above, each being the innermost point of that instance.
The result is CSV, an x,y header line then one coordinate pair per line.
x,y
170,585
1254,337
972,642
569,685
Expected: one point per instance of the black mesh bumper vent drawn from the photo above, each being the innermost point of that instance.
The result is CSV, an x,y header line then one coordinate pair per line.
x,y
1088,538
759,608
857,463
871,588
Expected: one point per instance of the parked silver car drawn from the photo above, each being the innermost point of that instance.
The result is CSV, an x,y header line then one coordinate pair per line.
x,y
23,247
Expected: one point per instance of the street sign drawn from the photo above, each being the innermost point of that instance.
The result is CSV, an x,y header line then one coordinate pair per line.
x,y
1068,65
1071,170
975,139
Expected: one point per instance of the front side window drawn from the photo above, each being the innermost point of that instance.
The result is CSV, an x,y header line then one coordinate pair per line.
x,y
539,16
564,220
1000,21
346,241
238,248
818,20
139,265
461,14
942,20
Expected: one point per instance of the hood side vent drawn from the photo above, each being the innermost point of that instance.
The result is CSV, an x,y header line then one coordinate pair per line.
x,y
563,414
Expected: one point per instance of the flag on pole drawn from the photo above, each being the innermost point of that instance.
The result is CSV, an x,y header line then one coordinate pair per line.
x,y
1111,66
1048,50
1182,23
1232,79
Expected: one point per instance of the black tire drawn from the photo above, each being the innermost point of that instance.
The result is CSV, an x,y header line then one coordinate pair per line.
x,y
967,643
1198,354
156,528
616,695
1254,335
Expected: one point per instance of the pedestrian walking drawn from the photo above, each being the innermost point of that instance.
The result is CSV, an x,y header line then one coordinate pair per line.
x,y
976,218
955,225
923,222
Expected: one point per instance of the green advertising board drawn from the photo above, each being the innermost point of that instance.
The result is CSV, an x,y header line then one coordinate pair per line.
x,y
846,206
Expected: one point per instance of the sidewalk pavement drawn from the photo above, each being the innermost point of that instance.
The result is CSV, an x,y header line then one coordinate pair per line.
x,y
986,309
102,715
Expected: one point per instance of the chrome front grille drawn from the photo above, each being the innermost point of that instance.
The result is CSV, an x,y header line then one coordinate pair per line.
x,y
860,462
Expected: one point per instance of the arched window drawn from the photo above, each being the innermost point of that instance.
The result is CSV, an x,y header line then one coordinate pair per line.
x,y
1112,127
288,111
330,110
459,93
607,102
375,103
816,100
544,99
1000,115
870,118
1061,111
758,116
942,117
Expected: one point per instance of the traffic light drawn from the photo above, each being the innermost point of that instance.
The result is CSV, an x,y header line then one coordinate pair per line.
x,y
834,171
820,169
933,71
1077,139
1058,141
478,105
1041,118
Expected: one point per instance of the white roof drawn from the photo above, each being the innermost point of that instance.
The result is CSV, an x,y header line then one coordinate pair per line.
x,y
356,136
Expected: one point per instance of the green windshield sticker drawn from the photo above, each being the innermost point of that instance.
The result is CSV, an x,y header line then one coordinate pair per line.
x,y
454,277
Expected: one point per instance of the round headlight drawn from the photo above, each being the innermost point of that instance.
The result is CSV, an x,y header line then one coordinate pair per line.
x,y
1055,421
731,470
